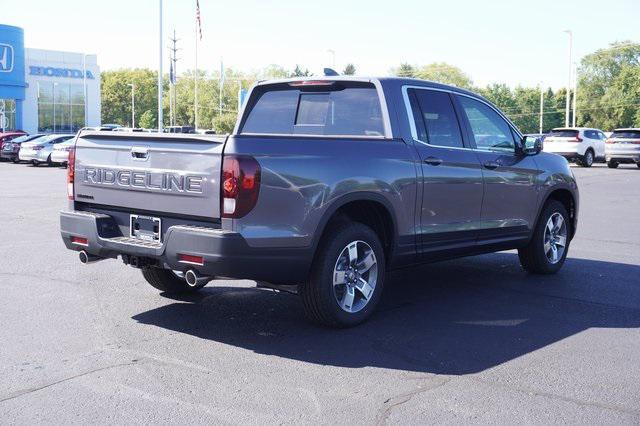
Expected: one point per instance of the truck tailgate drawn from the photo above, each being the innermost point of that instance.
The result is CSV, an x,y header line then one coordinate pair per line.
x,y
168,173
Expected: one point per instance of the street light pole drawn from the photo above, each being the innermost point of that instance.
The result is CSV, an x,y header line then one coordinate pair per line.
x,y
333,56
575,93
568,103
541,107
160,126
133,104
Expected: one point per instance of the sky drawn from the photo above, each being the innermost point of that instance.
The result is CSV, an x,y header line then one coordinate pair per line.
x,y
513,42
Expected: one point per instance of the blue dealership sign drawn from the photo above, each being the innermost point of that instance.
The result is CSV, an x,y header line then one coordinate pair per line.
x,y
59,72
12,78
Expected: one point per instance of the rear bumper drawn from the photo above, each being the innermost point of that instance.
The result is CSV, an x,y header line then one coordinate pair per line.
x,y
225,253
571,156
59,156
623,157
9,155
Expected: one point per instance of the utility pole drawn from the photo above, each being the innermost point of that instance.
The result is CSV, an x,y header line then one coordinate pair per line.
x,y
568,103
133,104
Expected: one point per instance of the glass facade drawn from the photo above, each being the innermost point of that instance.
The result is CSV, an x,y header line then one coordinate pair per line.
x,y
60,107
8,110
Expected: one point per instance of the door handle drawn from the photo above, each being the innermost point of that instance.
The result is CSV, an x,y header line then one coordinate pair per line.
x,y
139,153
433,161
491,165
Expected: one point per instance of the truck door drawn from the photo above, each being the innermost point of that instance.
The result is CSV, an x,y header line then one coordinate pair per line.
x,y
451,176
509,207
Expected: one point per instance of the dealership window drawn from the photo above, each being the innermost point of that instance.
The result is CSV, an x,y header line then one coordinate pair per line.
x,y
60,107
8,110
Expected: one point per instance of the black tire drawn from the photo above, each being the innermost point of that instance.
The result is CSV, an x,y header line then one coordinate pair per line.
x,y
613,164
15,160
532,257
638,165
165,280
317,294
34,163
49,163
587,159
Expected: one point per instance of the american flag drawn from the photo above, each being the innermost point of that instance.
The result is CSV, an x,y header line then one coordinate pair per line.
x,y
198,18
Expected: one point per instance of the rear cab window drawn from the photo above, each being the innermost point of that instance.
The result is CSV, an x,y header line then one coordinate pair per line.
x,y
327,108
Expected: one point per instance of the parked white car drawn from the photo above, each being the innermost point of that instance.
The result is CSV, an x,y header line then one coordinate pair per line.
x,y
623,147
580,144
60,153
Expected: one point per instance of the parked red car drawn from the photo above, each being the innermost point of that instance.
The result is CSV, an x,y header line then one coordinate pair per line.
x,y
7,136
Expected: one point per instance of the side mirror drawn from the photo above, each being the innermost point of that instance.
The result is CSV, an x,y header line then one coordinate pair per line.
x,y
531,145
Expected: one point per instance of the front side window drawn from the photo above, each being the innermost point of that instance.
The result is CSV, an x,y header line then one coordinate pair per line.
x,y
436,121
331,111
490,131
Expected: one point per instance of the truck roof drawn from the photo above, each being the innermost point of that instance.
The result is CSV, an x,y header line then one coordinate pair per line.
x,y
383,80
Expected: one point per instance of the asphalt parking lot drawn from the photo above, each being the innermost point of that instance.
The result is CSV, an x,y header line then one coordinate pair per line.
x,y
474,340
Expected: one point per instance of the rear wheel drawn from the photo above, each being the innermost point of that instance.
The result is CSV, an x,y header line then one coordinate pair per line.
x,y
549,245
15,160
587,159
168,281
638,165
347,277
612,164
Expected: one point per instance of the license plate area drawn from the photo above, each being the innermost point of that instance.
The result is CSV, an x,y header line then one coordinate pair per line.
x,y
146,228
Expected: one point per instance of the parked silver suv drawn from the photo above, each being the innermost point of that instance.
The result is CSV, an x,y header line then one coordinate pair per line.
x,y
623,146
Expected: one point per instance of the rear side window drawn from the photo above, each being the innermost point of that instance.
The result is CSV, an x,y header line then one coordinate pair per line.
x,y
626,134
334,111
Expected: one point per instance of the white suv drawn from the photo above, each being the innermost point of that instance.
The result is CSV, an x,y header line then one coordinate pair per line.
x,y
580,144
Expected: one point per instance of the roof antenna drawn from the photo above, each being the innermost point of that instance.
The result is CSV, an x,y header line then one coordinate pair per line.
x,y
328,72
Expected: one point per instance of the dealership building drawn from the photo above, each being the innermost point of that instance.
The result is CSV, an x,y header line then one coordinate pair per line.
x,y
45,90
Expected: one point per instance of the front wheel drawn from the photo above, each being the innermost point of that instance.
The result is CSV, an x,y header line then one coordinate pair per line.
x,y
168,281
347,277
547,250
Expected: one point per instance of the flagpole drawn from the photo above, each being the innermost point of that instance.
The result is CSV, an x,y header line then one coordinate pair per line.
x,y
195,89
160,74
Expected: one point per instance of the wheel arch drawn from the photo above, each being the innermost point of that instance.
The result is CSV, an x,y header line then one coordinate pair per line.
x,y
370,208
568,200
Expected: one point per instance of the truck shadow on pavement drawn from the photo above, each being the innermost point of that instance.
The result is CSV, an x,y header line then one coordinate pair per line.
x,y
457,317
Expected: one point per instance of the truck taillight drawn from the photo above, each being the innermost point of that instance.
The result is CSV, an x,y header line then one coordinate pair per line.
x,y
610,140
240,185
71,172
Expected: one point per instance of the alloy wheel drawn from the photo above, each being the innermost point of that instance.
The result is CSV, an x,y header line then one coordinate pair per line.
x,y
355,276
555,238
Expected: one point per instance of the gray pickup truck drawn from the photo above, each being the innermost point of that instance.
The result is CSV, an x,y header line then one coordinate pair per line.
x,y
326,184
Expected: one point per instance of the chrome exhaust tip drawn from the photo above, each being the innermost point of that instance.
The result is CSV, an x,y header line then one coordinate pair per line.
x,y
86,258
194,279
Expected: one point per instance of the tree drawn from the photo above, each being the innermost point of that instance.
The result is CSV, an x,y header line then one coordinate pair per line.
x,y
405,70
608,87
116,94
350,69
299,73
445,73
148,119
